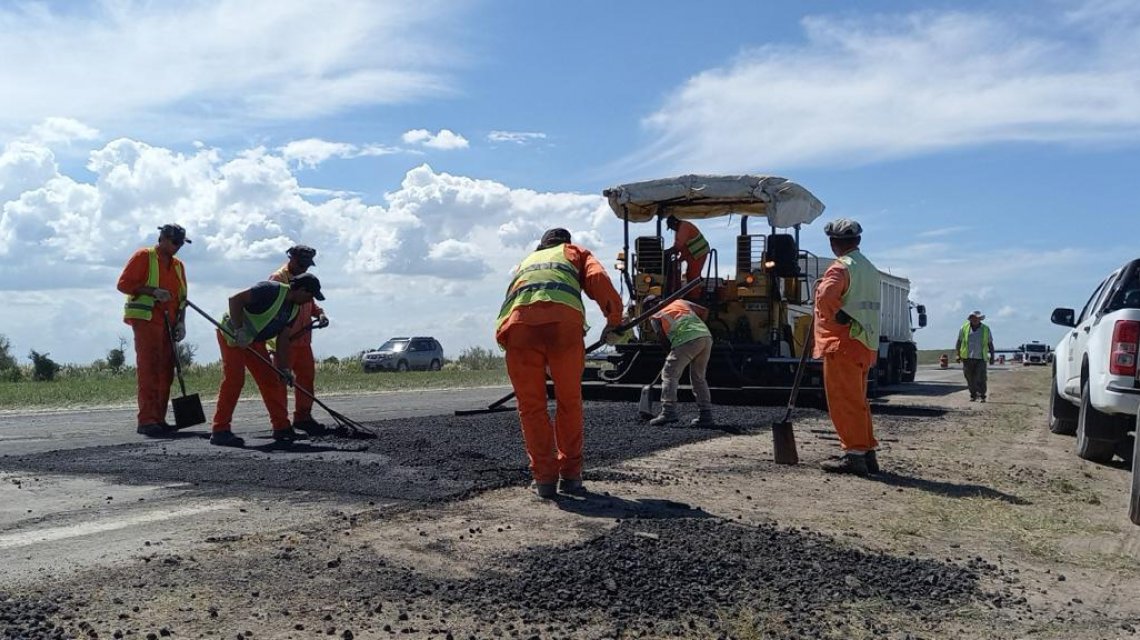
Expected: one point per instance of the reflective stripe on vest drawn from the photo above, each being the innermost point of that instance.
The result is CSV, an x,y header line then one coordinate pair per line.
x,y
255,322
680,323
141,307
862,301
964,341
544,276
698,247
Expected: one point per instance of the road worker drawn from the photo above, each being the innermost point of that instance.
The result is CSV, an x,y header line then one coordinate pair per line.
x,y
846,334
541,326
155,284
975,348
258,314
690,246
680,324
301,340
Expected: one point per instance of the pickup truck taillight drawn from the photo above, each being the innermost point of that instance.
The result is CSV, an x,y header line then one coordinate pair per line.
x,y
1122,354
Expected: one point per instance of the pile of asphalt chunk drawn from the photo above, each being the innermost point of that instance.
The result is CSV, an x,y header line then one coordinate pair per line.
x,y
29,618
660,574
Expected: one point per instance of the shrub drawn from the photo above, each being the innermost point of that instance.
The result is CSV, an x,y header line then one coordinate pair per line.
x,y
479,359
117,358
13,374
7,360
186,352
43,367
331,360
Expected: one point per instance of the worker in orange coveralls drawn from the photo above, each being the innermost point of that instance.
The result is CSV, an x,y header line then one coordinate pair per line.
x,y
541,326
847,303
154,282
301,340
261,313
691,246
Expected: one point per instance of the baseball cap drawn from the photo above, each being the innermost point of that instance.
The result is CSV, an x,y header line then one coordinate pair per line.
x,y
307,282
175,232
843,228
303,253
554,237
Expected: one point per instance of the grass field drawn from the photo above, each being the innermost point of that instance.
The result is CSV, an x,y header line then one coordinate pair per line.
x,y
82,387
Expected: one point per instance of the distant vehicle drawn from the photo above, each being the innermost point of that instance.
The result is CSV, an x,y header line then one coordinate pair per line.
x,y
1035,353
405,354
1095,388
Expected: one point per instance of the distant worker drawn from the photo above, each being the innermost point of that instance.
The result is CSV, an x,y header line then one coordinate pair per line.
x,y
680,324
846,336
256,315
541,326
975,348
301,340
155,284
690,246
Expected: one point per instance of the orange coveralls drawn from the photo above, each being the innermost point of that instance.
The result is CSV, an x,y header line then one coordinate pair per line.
x,y
301,352
235,362
550,335
694,267
154,353
846,362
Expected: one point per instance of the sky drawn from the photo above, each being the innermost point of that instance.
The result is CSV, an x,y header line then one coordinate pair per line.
x,y
990,150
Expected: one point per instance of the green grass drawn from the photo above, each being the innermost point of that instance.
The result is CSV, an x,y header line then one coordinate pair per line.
x,y
84,387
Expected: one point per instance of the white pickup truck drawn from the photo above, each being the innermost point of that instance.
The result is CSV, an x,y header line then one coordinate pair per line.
x,y
1096,392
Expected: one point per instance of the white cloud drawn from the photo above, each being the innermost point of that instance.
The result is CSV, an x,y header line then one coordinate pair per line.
x,y
868,88
1007,311
445,139
312,151
515,137
944,231
218,64
53,130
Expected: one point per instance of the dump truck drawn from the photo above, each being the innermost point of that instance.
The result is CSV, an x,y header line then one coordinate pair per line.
x,y
760,313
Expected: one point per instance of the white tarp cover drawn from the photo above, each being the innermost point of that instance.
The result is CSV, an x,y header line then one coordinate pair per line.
x,y
691,197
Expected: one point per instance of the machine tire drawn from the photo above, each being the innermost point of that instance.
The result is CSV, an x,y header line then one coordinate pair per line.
x,y
402,366
1091,449
1062,415
910,363
434,366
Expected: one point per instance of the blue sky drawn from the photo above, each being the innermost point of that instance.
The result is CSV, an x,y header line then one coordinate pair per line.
x,y
989,149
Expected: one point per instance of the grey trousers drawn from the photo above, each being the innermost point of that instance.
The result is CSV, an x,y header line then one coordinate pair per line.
x,y
694,355
975,370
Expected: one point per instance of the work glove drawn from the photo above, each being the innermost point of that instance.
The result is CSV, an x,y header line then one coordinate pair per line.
x,y
241,336
180,331
162,295
322,321
286,376
611,335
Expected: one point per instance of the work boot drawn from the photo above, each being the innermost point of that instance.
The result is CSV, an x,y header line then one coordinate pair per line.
x,y
311,427
704,419
872,460
546,490
982,399
226,439
286,435
668,415
849,463
571,486
153,430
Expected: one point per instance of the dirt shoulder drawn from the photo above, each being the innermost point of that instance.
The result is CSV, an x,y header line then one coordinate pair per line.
x,y
983,525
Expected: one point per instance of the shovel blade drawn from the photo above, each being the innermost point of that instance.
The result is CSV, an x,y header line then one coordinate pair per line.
x,y
188,411
784,443
645,404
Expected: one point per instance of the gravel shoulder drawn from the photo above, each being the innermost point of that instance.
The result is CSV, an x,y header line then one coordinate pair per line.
x,y
983,525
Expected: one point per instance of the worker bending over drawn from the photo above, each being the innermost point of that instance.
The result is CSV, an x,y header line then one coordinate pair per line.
x,y
541,326
690,246
301,340
155,284
847,302
258,314
680,324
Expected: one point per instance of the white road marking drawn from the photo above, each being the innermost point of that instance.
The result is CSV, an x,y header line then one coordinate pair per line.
x,y
51,534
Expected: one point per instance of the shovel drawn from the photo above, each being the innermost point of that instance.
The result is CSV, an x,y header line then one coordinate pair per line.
x,y
783,437
188,408
645,404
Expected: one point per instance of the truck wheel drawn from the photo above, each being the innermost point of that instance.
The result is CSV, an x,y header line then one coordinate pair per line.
x,y
1092,449
402,366
1062,415
910,363
434,366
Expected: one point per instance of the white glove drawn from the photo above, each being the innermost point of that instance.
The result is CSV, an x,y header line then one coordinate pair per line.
x,y
180,331
162,295
287,376
322,321
241,336
611,336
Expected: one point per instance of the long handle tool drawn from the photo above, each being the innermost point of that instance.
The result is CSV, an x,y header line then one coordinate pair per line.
x,y
345,425
188,408
783,437
498,404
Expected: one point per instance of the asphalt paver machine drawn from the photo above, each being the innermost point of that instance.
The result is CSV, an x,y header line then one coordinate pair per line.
x,y
759,315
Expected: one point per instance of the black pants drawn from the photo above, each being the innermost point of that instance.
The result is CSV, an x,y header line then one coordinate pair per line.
x,y
975,369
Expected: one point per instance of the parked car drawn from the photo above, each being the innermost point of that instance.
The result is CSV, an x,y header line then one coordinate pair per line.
x,y
404,354
1095,389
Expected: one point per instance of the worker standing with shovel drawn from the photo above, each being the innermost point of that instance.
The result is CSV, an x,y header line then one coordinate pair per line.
x,y
680,324
301,340
846,336
256,315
